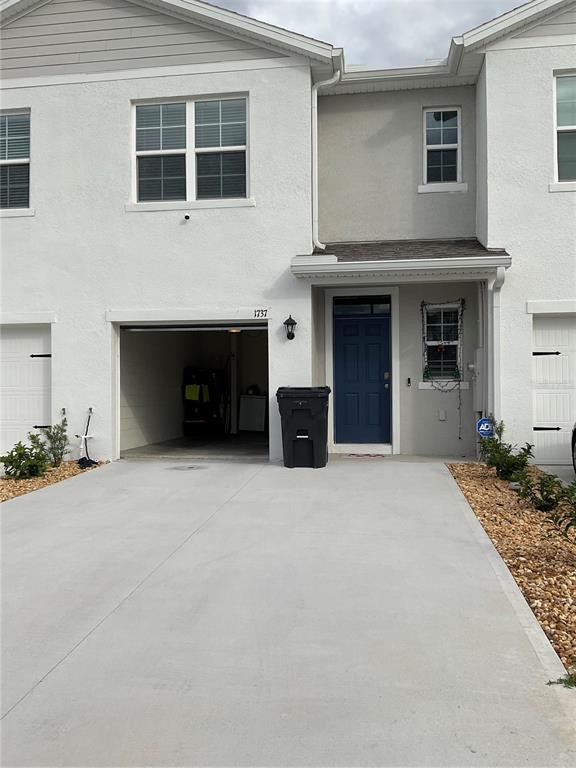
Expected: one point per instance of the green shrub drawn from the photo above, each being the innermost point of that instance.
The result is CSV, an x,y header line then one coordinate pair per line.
x,y
508,462
565,516
25,461
56,442
544,492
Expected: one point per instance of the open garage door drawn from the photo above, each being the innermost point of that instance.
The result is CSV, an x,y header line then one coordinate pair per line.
x,y
554,387
24,381
194,391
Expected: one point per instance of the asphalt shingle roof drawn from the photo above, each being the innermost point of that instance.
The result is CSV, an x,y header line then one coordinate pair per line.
x,y
381,250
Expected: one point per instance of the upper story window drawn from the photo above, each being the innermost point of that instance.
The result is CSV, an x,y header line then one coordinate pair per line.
x,y
442,160
566,127
191,150
15,160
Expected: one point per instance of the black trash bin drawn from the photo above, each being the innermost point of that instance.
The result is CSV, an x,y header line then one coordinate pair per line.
x,y
304,415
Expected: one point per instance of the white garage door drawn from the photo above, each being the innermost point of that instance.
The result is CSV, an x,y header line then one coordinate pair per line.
x,y
554,386
24,381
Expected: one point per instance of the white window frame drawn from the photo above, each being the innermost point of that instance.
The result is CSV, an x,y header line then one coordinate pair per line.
x,y
28,211
568,185
190,152
456,306
457,147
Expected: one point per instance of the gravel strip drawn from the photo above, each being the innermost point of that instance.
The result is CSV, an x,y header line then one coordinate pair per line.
x,y
10,488
540,558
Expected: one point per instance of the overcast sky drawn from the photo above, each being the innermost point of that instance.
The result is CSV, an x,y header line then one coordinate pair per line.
x,y
379,33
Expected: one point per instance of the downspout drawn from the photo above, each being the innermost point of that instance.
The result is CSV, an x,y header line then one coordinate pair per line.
x,y
494,384
321,84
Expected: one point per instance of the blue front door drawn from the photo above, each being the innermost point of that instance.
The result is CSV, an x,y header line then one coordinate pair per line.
x,y
362,379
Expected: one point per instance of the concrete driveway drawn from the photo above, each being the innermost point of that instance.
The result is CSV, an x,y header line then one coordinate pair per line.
x,y
249,615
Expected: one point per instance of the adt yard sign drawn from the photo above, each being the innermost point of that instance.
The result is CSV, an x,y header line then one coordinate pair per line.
x,y
485,428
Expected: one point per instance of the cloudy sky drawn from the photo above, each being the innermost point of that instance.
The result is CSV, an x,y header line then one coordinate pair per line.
x,y
379,33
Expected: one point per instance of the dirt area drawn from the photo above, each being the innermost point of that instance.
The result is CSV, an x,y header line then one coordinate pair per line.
x,y
540,558
10,488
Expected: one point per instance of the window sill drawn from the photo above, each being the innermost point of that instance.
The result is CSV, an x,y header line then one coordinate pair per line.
x,y
12,213
452,186
443,383
192,205
562,186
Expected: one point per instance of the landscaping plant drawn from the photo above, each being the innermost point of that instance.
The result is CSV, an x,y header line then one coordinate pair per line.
x,y
25,461
508,462
56,442
565,516
545,492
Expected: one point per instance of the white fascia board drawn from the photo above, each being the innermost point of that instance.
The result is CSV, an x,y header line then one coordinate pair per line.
x,y
327,265
511,22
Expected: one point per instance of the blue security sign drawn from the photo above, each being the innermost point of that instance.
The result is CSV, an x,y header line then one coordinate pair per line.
x,y
485,428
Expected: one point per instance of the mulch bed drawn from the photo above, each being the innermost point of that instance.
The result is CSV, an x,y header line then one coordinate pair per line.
x,y
540,558
10,488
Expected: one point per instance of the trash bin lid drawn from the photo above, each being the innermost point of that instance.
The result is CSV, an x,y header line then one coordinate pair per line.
x,y
302,392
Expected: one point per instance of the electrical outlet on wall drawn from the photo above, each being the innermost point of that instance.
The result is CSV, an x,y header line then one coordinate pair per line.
x,y
441,415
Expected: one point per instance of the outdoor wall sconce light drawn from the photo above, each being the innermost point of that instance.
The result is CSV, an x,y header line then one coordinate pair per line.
x,y
290,324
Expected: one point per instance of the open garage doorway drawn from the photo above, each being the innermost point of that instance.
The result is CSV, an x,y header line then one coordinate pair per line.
x,y
194,392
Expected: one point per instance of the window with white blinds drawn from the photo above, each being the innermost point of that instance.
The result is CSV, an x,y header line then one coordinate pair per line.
x,y
15,160
191,150
566,127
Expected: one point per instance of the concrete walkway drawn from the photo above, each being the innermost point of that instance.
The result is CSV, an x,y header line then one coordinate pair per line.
x,y
248,615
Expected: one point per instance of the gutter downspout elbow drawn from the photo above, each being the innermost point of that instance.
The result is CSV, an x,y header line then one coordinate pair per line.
x,y
316,244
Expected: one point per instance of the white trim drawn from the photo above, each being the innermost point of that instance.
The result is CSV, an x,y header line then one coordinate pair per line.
x,y
186,315
556,186
327,265
28,318
16,213
362,449
521,43
151,72
551,307
562,186
444,186
437,147
448,382
184,205
513,20
394,293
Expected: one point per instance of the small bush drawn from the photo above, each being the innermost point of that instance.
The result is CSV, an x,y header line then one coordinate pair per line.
x,y
509,465
565,516
25,461
544,492
56,442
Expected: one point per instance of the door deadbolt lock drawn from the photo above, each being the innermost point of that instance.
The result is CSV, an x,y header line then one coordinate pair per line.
x,y
386,375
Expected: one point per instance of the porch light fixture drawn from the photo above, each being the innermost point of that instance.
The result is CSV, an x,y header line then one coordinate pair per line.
x,y
290,324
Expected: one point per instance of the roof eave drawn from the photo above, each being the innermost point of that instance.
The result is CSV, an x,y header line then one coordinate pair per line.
x,y
328,266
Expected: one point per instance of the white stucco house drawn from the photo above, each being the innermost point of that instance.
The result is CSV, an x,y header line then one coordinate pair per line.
x,y
177,180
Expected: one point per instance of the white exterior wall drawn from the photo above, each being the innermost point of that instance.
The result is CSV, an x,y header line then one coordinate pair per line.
x,y
537,227
371,161
82,254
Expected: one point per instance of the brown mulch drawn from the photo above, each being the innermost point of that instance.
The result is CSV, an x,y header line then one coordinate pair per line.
x,y
540,558
10,488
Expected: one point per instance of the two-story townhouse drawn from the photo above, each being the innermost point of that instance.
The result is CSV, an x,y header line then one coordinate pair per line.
x,y
179,180
453,183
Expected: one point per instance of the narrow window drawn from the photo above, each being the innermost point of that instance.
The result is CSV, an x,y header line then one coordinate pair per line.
x,y
161,151
566,127
442,340
220,147
442,146
15,160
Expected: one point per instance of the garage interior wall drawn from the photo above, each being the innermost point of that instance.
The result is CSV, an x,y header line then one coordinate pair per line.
x,y
151,365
